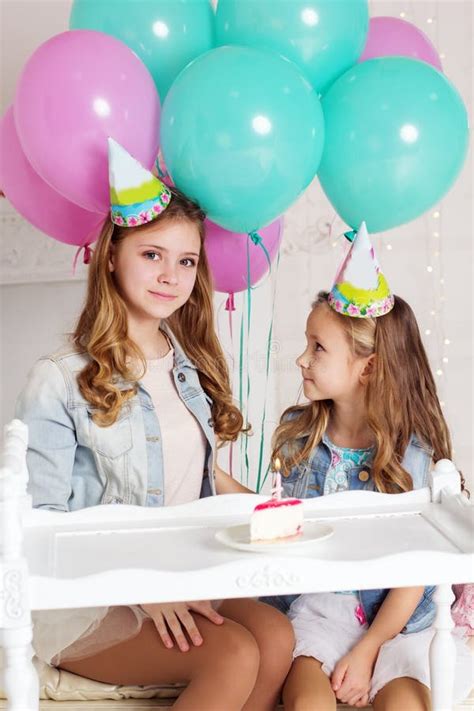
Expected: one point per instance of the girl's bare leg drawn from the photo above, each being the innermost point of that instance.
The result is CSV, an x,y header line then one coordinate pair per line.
x,y
403,693
220,674
308,688
274,635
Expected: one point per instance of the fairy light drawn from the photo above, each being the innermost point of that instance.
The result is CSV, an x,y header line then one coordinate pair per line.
x,y
429,20
436,214
389,247
429,269
428,331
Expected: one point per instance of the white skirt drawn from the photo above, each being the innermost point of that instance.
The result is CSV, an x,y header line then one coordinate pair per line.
x,y
326,628
77,633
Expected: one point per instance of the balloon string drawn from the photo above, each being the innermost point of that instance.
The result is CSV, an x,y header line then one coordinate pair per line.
x,y
249,318
267,371
230,307
241,368
258,242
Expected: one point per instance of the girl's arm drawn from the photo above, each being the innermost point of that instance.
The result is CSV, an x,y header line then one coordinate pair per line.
x,y
352,674
225,484
394,613
52,443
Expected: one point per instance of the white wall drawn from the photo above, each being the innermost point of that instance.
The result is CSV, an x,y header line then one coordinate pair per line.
x,y
39,298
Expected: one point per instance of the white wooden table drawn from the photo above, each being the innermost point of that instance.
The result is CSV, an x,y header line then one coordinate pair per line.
x,y
118,555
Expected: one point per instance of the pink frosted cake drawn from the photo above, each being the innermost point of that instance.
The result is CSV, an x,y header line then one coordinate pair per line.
x,y
275,520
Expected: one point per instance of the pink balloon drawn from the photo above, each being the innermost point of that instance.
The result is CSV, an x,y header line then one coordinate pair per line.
x,y
227,255
390,36
35,200
75,90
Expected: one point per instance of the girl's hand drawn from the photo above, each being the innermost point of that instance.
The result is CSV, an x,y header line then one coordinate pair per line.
x,y
175,618
352,674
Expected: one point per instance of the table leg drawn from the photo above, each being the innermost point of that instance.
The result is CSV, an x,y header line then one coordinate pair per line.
x,y
443,651
21,679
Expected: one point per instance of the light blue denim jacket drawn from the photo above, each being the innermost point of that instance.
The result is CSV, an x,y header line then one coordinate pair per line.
x,y
306,480
73,463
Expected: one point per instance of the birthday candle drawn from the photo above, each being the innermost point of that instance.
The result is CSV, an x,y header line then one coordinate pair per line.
x,y
277,488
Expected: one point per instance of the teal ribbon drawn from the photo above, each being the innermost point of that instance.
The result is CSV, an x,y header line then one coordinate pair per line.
x,y
262,430
351,235
258,242
256,239
241,387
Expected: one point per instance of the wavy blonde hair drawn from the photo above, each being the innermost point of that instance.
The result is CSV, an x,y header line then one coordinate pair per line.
x,y
400,398
110,379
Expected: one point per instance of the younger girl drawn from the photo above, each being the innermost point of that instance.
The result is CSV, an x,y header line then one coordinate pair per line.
x,y
129,414
373,422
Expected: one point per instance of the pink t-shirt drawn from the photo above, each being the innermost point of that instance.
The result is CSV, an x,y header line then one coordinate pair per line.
x,y
183,441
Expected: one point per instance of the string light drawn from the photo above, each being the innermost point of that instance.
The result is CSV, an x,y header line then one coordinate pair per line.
x,y
428,331
429,269
389,247
436,214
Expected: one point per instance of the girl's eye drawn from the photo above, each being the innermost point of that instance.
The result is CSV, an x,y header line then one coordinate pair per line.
x,y
188,262
151,256
318,347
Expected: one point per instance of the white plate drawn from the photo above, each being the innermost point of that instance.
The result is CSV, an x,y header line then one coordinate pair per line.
x,y
239,537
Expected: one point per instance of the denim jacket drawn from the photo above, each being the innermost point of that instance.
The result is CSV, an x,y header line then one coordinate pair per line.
x,y
74,463
306,480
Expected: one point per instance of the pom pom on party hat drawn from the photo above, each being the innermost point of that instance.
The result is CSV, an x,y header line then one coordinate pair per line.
x,y
360,289
136,195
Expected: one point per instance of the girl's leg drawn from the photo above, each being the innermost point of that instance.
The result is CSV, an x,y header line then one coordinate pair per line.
x,y
274,635
220,674
403,693
308,688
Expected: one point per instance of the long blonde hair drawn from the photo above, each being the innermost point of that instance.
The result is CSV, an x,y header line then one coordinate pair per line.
x,y
102,333
400,399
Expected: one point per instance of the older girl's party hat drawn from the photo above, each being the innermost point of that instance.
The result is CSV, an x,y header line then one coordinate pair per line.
x,y
360,289
136,195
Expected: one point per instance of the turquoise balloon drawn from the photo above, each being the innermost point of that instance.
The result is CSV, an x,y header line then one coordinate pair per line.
x,y
166,34
242,132
396,138
323,37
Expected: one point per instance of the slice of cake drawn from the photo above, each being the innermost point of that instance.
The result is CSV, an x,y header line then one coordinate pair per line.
x,y
276,520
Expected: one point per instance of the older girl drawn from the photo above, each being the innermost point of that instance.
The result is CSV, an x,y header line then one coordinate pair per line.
x,y
129,413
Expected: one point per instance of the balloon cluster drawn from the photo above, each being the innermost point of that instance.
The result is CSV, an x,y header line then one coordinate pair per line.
x,y
257,99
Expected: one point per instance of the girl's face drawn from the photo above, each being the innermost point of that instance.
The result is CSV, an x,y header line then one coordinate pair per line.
x,y
329,368
155,268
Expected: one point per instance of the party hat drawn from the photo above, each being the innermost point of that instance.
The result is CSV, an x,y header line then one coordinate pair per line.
x,y
360,289
136,195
